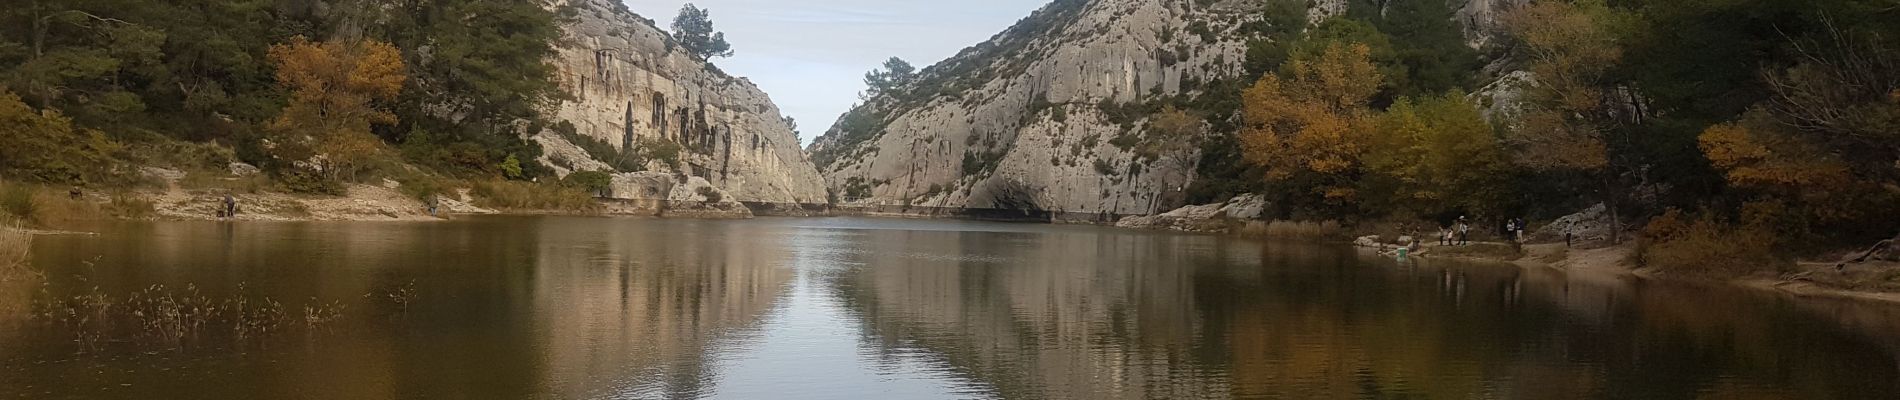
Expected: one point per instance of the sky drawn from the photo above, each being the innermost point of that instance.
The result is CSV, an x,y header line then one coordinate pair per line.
x,y
811,55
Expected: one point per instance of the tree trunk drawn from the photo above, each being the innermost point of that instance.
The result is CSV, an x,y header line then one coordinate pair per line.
x,y
39,31
1609,203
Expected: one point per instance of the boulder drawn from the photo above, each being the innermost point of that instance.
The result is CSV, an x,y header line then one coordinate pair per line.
x,y
1371,241
242,169
1219,217
1590,224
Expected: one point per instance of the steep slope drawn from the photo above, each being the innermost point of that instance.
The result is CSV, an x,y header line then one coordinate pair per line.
x,y
631,86
1044,116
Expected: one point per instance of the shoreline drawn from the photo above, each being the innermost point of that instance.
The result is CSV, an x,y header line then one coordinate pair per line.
x,y
371,203
1614,261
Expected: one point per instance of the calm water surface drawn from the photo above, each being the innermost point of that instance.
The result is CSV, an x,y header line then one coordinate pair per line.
x,y
842,308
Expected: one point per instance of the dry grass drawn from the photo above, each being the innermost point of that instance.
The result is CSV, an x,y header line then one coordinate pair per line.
x,y
1703,247
525,196
16,250
49,207
1304,230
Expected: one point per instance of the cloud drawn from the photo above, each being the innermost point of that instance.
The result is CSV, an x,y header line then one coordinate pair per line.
x,y
811,55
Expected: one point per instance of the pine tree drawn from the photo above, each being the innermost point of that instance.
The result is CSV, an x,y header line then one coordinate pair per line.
x,y
694,29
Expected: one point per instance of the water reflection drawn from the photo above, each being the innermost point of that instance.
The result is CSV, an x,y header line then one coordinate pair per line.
x,y
853,308
1124,315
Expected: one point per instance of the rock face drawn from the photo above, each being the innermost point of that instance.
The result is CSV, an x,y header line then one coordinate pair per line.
x,y
632,86
1590,224
1053,113
1036,118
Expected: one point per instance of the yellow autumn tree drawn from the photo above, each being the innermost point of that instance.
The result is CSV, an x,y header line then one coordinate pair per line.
x,y
1433,155
339,90
1315,120
1571,46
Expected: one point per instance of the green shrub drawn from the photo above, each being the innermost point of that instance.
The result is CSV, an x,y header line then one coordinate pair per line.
x,y
596,182
46,147
18,202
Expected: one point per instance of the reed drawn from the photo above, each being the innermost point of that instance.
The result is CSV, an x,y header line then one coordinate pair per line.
x,y
16,250
1303,230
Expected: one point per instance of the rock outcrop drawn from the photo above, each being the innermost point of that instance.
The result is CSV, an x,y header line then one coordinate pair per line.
x,y
1045,116
1220,217
631,85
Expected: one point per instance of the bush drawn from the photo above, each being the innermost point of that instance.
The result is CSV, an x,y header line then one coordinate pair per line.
x,y
517,195
17,202
421,187
46,147
1706,247
129,206
596,182
712,195
304,180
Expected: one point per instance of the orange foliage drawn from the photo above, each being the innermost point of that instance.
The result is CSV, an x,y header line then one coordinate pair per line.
x,y
335,90
1316,120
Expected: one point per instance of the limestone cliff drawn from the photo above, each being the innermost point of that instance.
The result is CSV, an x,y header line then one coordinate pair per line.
x,y
631,85
1035,117
1051,114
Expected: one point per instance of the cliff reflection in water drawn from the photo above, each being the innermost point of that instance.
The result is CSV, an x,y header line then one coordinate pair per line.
x,y
1128,315
635,313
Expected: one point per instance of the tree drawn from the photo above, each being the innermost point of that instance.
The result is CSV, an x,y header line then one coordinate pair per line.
x,y
44,146
894,75
694,29
1314,121
1573,117
1434,155
337,90
478,70
1172,135
1429,53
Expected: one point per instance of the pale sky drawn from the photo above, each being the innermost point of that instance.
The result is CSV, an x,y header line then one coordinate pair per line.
x,y
811,55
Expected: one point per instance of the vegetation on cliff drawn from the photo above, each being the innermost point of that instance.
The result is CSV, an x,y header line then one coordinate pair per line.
x,y
1768,133
318,95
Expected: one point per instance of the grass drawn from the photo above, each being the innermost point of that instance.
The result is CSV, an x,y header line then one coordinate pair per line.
x,y
16,250
528,196
162,318
1303,230
40,206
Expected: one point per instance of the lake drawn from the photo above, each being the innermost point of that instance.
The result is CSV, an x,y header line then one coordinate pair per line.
x,y
853,308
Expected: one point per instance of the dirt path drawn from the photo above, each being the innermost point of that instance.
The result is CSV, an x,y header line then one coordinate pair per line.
x,y
361,203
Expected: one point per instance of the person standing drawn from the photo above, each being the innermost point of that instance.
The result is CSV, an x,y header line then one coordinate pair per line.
x,y
1464,231
230,205
1520,229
